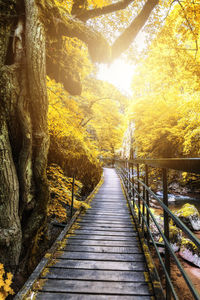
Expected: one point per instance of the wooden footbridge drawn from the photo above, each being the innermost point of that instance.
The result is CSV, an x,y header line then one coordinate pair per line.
x,y
101,256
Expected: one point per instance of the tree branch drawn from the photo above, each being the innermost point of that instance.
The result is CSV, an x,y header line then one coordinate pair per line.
x,y
59,23
126,38
189,25
96,12
78,7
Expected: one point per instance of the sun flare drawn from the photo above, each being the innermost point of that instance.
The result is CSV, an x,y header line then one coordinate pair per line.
x,y
119,73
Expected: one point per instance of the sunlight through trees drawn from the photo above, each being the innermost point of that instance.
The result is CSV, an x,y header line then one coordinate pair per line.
x,y
61,109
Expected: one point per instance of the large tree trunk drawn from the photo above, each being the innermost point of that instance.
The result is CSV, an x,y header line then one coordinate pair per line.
x,y
24,137
36,71
10,229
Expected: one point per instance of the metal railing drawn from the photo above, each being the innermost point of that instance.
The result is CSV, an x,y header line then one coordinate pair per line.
x,y
136,184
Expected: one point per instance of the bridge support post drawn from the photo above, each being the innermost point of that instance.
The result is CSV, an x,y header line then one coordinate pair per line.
x,y
166,232
143,208
132,185
147,198
129,179
72,203
138,177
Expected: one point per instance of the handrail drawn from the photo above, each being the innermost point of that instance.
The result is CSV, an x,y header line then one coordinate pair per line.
x,y
191,165
178,222
138,189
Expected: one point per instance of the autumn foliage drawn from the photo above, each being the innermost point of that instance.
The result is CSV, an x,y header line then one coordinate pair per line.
x,y
5,283
165,107
61,194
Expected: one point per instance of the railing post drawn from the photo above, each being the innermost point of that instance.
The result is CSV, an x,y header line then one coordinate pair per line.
x,y
127,174
132,187
72,202
166,232
143,208
147,197
138,177
129,179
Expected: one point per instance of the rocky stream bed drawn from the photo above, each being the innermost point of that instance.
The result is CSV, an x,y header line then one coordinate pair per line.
x,y
187,208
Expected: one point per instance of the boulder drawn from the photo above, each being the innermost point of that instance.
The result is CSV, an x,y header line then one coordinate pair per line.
x,y
175,234
189,215
175,237
190,252
154,229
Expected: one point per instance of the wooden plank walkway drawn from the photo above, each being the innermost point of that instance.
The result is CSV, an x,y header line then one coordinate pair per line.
x,y
102,259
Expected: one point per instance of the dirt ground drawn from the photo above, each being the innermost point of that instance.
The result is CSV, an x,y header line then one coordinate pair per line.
x,y
181,288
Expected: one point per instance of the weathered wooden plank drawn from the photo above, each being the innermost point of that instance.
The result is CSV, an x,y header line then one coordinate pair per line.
x,y
123,244
101,237
110,192
104,232
106,220
110,197
99,207
121,211
118,208
111,187
101,265
104,216
110,200
101,256
106,213
107,225
114,193
103,249
93,218
123,222
108,204
111,203
75,296
96,287
102,275
107,228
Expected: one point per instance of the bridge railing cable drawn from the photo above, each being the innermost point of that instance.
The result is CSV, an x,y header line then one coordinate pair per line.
x,y
135,178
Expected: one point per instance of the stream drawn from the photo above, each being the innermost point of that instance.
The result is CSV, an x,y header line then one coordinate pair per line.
x,y
177,201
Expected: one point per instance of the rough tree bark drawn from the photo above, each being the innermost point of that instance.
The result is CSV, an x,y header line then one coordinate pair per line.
x,y
10,228
26,28
24,136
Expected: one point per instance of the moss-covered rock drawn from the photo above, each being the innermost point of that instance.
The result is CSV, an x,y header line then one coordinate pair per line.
x,y
189,215
175,234
190,252
154,229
